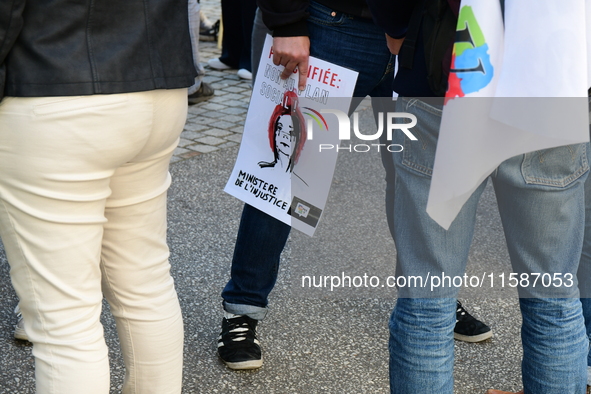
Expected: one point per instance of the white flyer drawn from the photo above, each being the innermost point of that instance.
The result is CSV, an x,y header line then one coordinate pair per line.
x,y
282,168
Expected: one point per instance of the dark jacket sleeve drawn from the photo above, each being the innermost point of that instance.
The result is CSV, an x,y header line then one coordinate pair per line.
x,y
392,15
286,18
11,23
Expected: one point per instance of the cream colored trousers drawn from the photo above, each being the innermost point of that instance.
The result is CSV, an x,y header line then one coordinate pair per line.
x,y
83,185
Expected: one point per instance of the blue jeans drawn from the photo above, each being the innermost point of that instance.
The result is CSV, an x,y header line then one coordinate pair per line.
x,y
584,273
586,303
543,224
350,42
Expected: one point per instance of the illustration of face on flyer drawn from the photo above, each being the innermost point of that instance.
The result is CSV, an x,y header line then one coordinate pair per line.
x,y
281,167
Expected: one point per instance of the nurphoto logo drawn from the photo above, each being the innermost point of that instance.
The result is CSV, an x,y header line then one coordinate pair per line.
x,y
386,121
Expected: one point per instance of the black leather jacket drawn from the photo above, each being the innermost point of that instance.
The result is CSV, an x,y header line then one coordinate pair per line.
x,y
82,47
287,18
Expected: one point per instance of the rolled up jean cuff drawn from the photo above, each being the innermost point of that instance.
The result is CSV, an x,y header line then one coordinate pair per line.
x,y
254,312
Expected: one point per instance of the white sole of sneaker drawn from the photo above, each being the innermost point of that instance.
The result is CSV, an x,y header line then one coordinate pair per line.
x,y
244,74
216,64
250,364
19,333
473,338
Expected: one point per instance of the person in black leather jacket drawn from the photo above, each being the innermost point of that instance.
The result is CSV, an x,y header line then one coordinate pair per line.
x,y
111,47
94,102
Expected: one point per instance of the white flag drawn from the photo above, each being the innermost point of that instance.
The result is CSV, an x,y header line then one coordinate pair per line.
x,y
510,92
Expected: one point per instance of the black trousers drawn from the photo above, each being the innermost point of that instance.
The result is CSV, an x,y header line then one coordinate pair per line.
x,y
238,18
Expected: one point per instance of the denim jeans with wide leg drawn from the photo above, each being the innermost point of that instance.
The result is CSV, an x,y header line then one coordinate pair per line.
x,y
541,201
348,41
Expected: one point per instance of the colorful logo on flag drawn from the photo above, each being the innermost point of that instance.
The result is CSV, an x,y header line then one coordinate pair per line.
x,y
471,67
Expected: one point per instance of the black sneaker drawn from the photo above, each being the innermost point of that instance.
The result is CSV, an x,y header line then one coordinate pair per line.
x,y
209,33
205,92
468,328
238,345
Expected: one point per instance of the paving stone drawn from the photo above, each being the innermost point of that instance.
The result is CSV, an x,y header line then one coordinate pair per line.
x,y
228,144
192,135
214,73
233,118
212,106
234,89
232,75
210,140
221,124
234,103
214,114
217,132
196,110
203,148
188,155
213,80
233,96
196,126
179,151
234,110
175,159
222,98
234,137
184,142
219,94
208,122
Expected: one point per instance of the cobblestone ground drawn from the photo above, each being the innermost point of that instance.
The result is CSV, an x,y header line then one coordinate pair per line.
x,y
219,122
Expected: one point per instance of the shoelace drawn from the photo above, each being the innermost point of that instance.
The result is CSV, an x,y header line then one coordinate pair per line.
x,y
460,309
238,331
